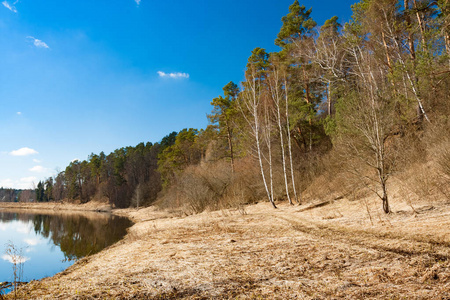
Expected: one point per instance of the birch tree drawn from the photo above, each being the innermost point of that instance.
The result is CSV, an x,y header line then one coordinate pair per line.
x,y
250,106
276,92
365,118
327,53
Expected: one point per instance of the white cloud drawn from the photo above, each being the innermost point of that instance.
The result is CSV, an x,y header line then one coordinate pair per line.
x,y
38,43
31,242
11,7
75,160
137,2
22,183
19,113
15,259
38,169
37,160
173,75
23,152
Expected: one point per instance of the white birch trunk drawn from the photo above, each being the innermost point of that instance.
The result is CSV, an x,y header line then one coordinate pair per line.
x,y
252,101
286,97
276,97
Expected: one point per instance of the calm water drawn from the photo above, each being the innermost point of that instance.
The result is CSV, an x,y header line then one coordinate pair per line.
x,y
51,243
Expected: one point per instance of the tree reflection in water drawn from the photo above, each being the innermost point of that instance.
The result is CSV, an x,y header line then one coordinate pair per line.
x,y
76,234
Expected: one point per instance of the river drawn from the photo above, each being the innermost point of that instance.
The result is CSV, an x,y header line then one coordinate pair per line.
x,y
45,244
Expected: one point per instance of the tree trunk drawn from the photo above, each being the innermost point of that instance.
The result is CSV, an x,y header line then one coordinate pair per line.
x,y
329,105
276,97
230,145
385,200
447,45
386,50
412,51
286,95
268,138
421,27
252,102
262,169
412,79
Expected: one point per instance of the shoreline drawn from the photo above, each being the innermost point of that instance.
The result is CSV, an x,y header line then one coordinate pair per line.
x,y
58,206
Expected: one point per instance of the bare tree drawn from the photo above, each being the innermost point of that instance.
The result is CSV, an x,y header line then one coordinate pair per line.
x,y
250,103
327,52
365,122
275,87
15,255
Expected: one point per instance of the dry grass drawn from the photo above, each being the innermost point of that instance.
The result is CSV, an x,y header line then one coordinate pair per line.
x,y
328,252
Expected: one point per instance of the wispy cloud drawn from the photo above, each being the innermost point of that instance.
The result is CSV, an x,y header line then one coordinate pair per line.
x,y
137,2
9,6
37,160
19,113
173,75
23,152
38,43
38,169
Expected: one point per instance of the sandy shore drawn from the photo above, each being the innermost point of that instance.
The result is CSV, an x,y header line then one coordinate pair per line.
x,y
340,250
58,206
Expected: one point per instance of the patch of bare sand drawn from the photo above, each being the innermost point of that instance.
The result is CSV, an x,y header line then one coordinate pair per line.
x,y
330,252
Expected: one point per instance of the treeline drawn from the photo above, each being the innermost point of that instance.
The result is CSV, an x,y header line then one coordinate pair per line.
x,y
122,176
13,195
367,97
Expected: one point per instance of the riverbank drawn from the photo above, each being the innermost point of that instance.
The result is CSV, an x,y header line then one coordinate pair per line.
x,y
92,206
345,249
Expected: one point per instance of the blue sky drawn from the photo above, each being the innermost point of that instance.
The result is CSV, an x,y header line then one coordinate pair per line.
x,y
81,77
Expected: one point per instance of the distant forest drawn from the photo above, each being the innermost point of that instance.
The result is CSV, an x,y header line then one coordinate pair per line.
x,y
13,195
340,110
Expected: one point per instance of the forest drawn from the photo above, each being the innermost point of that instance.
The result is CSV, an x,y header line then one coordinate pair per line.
x,y
339,110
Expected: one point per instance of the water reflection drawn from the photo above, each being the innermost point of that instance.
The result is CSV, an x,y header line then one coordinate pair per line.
x,y
52,242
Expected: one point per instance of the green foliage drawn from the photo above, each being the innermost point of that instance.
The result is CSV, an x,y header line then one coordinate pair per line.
x,y
175,158
331,26
224,115
355,26
48,193
168,140
258,63
295,24
115,176
40,192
